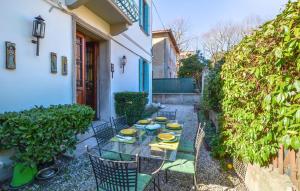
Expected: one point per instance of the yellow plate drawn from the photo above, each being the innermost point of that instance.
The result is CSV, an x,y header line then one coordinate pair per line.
x,y
128,131
144,122
161,119
166,136
174,125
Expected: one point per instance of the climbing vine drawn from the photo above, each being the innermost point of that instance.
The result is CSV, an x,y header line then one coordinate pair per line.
x,y
261,90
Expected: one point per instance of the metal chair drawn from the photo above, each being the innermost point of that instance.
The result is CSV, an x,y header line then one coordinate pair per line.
x,y
120,175
187,146
120,123
186,163
103,133
171,115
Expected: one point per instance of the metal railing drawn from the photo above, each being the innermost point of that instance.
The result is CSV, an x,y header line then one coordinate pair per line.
x,y
129,8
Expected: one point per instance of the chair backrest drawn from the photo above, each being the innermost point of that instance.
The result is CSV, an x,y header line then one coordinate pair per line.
x,y
198,142
114,175
120,123
103,133
171,115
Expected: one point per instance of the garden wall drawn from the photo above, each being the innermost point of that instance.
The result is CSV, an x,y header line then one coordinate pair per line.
x,y
176,98
267,179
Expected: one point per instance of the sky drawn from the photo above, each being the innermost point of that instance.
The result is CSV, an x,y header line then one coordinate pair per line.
x,y
202,15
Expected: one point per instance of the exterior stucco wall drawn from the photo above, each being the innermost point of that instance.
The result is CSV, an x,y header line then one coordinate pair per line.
x,y
164,58
31,83
134,44
92,19
158,57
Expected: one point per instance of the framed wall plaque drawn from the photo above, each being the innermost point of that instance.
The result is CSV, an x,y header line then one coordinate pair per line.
x,y
10,55
64,64
53,57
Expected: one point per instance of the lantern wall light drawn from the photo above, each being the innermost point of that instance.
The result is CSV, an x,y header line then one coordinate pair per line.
x,y
38,31
112,70
123,63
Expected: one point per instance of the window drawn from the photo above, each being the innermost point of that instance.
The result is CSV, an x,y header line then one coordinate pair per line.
x,y
144,15
144,75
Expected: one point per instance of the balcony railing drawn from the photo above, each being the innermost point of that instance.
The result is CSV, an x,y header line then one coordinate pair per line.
x,y
129,8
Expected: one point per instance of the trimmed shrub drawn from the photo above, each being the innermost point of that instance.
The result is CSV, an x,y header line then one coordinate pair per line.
x,y
261,89
131,104
39,134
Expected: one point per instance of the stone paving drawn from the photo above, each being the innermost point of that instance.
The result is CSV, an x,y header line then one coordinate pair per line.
x,y
76,174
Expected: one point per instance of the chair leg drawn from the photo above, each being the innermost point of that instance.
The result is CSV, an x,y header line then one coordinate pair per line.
x,y
166,175
156,185
139,167
195,182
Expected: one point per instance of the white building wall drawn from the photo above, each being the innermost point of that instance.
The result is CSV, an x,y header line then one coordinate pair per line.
x,y
134,44
31,83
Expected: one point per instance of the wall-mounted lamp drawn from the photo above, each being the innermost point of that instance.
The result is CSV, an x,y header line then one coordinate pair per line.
x,y
38,31
112,70
123,63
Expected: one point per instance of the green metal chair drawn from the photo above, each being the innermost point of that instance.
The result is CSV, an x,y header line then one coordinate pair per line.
x,y
186,163
187,146
103,133
120,175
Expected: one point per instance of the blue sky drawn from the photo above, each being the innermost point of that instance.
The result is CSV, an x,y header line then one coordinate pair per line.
x,y
204,14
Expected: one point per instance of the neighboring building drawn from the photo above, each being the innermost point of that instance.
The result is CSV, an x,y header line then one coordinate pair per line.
x,y
93,38
165,53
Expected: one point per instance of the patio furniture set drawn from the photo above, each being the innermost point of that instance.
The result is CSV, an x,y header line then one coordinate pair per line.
x,y
117,159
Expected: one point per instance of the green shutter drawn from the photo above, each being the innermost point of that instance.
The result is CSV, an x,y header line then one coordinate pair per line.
x,y
146,77
147,19
141,75
141,12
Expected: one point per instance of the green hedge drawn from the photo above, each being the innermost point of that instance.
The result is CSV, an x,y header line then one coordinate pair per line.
x,y
131,104
212,96
261,89
41,133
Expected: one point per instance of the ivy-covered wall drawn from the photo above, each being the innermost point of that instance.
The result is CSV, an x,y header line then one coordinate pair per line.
x,y
261,90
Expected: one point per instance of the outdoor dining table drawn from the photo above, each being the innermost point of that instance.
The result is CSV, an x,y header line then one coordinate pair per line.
x,y
145,144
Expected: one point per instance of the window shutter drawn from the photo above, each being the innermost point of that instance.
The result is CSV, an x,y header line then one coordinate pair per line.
x,y
141,76
141,12
146,77
147,19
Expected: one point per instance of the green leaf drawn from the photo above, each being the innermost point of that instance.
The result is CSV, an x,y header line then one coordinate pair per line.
x,y
295,142
297,85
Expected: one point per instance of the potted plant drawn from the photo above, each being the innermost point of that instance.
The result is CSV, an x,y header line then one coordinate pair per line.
x,y
40,134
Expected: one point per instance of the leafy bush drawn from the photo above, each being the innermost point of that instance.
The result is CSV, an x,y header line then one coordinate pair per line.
x,y
192,66
41,133
212,95
213,138
261,89
131,104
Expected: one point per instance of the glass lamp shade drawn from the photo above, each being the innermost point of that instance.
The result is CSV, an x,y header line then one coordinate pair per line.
x,y
124,61
38,29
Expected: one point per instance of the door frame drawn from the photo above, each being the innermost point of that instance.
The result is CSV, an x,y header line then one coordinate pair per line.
x,y
104,97
83,67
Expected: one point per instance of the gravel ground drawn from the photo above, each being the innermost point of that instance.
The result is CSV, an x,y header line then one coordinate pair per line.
x,y
76,174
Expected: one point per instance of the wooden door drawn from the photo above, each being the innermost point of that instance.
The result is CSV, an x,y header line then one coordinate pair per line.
x,y
80,69
91,74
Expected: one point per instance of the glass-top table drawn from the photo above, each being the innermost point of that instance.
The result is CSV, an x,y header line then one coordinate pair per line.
x,y
144,147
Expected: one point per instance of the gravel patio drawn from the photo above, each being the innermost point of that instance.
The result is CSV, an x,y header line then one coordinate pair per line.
x,y
76,174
